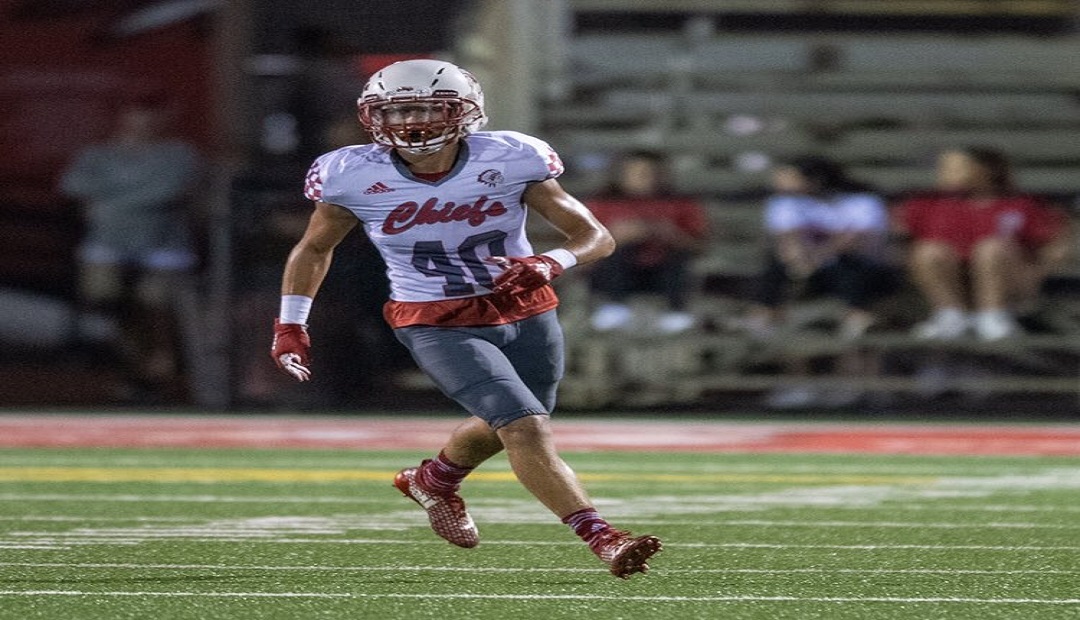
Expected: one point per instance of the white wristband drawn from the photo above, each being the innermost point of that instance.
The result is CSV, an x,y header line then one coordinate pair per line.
x,y
564,257
295,309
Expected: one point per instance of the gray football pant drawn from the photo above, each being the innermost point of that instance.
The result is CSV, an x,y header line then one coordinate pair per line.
x,y
499,373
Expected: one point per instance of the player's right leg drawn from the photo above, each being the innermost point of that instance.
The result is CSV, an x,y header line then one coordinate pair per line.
x,y
434,484
446,511
469,368
472,443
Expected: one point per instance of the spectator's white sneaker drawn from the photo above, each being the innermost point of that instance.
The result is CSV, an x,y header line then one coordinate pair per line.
x,y
610,317
674,322
947,324
855,325
993,325
791,397
840,397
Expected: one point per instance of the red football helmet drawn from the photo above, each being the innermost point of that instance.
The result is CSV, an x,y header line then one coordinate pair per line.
x,y
420,106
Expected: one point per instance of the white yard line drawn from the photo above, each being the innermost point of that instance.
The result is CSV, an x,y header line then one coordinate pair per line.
x,y
876,524
325,499
198,499
546,543
61,541
552,597
563,569
200,526
79,519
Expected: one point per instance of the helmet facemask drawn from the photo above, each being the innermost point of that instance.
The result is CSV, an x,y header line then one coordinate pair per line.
x,y
417,126
420,106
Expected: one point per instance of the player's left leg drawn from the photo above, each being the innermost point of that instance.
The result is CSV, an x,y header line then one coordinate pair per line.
x,y
435,483
531,450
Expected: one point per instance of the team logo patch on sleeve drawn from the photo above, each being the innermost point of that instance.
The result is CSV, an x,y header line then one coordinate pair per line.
x,y
490,177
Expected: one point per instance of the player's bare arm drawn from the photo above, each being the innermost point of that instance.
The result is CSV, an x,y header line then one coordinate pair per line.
x,y
586,240
586,237
310,259
305,269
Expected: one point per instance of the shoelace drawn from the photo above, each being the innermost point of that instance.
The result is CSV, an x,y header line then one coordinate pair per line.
x,y
604,545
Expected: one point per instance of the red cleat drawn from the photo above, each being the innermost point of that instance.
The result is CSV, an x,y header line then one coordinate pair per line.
x,y
626,555
446,513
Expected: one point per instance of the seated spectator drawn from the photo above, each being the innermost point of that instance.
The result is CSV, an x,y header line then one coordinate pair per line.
x,y
827,238
658,233
139,252
980,249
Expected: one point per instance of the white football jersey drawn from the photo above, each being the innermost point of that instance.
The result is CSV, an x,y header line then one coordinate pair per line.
x,y
434,236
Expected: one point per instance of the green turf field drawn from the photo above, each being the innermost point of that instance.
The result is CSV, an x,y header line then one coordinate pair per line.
x,y
90,534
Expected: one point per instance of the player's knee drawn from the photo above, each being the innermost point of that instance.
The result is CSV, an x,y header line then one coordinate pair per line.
x,y
528,430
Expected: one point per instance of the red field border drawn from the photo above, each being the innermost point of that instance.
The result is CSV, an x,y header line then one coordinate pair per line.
x,y
576,434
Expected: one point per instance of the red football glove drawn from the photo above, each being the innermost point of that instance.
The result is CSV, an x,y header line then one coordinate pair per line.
x,y
524,273
292,349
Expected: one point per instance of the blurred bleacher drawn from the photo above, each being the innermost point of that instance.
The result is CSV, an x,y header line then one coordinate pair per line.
x,y
725,94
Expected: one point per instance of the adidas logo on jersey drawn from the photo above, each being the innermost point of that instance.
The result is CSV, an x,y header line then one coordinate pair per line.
x,y
378,188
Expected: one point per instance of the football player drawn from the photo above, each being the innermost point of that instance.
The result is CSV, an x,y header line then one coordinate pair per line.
x,y
445,204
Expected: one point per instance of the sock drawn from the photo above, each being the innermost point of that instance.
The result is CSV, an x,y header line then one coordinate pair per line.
x,y
588,524
440,475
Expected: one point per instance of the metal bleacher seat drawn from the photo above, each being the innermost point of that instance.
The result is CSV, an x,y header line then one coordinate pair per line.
x,y
715,144
750,53
1059,180
974,56
599,60
915,108
1025,146
718,181
888,178
703,110
629,58
877,8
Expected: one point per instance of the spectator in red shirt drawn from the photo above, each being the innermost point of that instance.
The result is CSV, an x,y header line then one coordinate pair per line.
x,y
658,233
979,247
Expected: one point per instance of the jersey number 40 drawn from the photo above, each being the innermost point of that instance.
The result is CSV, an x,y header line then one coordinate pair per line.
x,y
431,259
